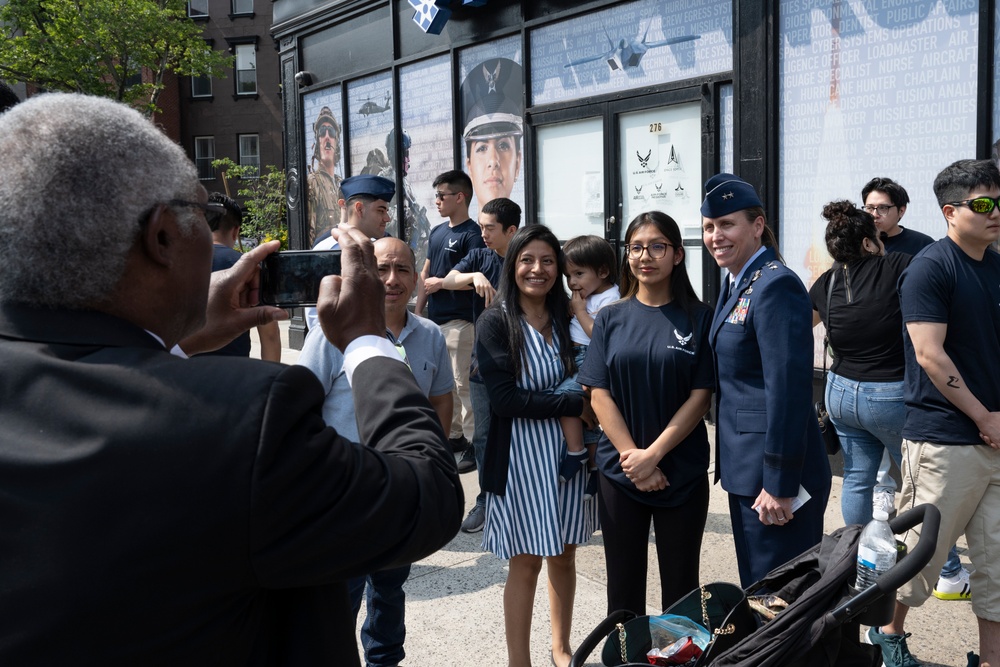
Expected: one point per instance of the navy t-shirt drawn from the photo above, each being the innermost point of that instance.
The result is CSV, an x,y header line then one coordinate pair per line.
x,y
223,258
945,285
447,247
907,242
650,359
487,262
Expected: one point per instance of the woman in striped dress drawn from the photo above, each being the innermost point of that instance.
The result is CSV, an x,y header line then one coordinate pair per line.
x,y
524,352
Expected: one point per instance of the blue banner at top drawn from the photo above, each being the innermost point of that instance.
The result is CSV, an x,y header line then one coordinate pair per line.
x,y
431,15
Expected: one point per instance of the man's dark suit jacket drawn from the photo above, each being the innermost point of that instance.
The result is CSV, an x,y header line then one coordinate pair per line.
x,y
162,511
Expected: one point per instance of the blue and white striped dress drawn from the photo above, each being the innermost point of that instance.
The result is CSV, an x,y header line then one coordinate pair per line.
x,y
538,514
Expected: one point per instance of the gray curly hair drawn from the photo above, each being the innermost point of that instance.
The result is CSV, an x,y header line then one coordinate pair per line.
x,y
78,176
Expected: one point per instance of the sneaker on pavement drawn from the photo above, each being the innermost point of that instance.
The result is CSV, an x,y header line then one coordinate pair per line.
x,y
954,588
468,461
885,501
591,491
894,650
474,522
973,659
458,444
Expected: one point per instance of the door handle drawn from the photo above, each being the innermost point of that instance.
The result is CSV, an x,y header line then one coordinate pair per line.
x,y
608,224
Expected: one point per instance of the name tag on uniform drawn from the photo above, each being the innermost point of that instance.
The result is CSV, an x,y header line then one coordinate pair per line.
x,y
739,313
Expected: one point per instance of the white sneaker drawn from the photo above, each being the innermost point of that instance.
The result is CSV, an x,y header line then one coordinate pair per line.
x,y
884,500
955,588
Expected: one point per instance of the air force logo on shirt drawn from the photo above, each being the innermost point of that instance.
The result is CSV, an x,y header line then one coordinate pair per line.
x,y
682,342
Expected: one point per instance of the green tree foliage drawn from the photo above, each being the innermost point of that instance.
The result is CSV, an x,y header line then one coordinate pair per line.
x,y
263,197
112,48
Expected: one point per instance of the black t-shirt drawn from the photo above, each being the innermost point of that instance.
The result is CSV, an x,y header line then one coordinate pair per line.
x,y
223,258
907,241
945,285
650,359
446,248
866,330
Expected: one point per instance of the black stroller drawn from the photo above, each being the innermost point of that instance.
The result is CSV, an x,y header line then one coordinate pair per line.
x,y
819,628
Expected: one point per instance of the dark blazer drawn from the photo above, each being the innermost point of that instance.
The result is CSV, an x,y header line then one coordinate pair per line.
x,y
767,435
162,511
507,400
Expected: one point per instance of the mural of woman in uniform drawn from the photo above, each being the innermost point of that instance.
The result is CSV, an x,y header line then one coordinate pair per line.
x,y
493,110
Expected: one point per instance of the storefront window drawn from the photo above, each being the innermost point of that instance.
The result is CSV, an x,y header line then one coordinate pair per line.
x,y
323,120
870,88
726,128
571,177
428,150
369,122
631,45
491,104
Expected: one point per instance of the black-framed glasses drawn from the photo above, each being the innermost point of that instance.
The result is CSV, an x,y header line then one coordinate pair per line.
x,y
212,211
979,204
439,196
655,250
882,209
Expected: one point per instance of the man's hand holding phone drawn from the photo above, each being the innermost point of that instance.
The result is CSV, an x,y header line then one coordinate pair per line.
x,y
352,304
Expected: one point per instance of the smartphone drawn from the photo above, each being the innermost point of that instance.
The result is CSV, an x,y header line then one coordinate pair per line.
x,y
291,279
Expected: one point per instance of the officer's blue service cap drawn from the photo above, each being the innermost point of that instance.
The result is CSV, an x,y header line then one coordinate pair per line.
x,y
367,184
726,193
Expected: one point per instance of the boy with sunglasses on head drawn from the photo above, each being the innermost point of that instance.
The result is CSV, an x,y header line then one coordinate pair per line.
x,y
950,301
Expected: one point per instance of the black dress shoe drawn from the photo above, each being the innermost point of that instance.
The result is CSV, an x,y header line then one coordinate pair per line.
x,y
458,444
468,461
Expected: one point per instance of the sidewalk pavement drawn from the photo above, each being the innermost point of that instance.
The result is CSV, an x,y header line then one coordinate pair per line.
x,y
454,605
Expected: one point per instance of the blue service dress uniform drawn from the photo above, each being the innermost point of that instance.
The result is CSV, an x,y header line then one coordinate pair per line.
x,y
766,431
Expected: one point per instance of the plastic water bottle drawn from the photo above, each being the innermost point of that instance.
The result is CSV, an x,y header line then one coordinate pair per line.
x,y
876,550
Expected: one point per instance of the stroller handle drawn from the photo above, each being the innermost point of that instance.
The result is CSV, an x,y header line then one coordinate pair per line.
x,y
905,569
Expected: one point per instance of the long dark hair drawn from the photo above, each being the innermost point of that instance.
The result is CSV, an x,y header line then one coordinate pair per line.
x,y
681,290
847,228
556,301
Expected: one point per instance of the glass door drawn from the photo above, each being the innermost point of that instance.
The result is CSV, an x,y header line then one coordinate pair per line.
x,y
660,169
571,194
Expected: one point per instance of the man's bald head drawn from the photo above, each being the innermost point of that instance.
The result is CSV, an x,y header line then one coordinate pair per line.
x,y
390,244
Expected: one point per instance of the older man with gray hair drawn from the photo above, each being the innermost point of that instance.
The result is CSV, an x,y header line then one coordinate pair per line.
x,y
158,510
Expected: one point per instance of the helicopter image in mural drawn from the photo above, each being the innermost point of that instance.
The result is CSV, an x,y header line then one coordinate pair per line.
x,y
369,107
628,53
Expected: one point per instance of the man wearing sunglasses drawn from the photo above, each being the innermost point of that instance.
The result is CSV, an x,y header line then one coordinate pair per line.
x,y
950,300
323,182
886,201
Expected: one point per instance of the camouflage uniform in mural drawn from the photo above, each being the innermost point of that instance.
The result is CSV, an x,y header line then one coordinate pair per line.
x,y
323,182
324,202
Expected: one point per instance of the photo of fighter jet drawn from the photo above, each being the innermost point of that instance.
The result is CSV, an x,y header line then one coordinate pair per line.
x,y
628,53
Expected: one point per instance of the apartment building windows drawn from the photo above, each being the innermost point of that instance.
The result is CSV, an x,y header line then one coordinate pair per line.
x,y
250,153
204,153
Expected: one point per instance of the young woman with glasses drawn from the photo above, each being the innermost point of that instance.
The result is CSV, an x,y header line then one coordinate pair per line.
x,y
649,367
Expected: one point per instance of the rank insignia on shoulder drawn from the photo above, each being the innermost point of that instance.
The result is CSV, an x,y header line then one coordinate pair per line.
x,y
738,315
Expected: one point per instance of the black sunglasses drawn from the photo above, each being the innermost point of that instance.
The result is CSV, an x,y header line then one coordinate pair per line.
x,y
979,204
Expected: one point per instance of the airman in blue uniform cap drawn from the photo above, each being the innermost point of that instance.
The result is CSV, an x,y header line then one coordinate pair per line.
x,y
366,184
768,447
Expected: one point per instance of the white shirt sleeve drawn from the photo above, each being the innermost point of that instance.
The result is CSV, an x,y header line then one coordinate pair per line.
x,y
363,348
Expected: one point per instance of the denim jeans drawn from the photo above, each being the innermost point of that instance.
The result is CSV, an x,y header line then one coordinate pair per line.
x,y
481,410
383,631
868,417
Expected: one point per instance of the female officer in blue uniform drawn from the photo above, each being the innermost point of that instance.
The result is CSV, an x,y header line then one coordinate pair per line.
x,y
768,445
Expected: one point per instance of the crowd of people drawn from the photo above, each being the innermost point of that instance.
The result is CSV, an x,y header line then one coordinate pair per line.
x,y
223,488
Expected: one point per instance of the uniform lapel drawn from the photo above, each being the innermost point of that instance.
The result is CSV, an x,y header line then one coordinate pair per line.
x,y
723,309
